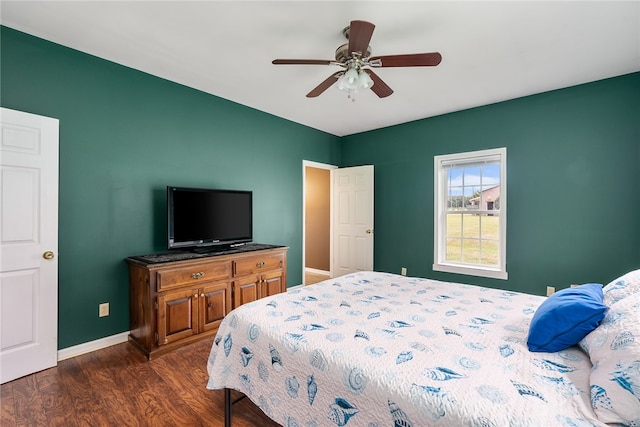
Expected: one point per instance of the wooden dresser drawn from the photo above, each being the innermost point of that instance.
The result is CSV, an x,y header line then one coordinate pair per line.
x,y
180,298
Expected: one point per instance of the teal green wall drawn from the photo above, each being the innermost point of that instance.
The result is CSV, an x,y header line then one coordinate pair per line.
x,y
573,174
573,156
125,136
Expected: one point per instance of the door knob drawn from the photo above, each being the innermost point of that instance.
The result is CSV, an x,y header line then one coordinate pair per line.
x,y
48,255
369,231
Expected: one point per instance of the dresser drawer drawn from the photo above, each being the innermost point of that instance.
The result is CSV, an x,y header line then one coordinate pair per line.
x,y
257,264
169,279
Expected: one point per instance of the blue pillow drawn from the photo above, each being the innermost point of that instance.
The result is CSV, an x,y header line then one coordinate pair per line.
x,y
566,317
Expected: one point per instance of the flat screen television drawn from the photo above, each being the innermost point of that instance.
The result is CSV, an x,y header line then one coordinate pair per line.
x,y
199,218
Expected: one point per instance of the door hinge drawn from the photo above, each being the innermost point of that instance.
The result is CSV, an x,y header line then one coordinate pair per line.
x,y
156,303
156,337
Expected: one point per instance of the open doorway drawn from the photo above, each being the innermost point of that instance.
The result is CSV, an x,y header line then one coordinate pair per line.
x,y
317,232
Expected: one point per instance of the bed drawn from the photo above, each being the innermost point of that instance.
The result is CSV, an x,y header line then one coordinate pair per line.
x,y
377,349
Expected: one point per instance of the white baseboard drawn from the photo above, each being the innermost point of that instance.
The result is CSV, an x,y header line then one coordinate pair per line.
x,y
90,346
290,288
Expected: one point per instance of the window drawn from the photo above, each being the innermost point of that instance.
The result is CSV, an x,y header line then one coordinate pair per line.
x,y
470,213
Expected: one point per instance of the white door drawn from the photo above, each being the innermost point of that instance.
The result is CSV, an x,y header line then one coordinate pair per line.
x,y
28,244
352,222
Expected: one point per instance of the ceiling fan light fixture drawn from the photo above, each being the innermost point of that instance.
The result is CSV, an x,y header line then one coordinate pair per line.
x,y
364,81
351,78
348,80
344,85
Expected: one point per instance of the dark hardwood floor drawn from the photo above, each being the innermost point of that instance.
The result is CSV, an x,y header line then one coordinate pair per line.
x,y
117,386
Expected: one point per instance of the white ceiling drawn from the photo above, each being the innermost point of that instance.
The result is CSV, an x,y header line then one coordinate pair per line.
x,y
492,51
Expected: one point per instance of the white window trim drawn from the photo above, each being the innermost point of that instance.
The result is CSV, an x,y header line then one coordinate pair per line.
x,y
440,200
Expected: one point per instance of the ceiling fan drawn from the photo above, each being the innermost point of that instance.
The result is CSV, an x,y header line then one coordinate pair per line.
x,y
356,62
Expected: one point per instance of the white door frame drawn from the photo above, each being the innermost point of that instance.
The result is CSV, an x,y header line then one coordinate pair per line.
x,y
305,164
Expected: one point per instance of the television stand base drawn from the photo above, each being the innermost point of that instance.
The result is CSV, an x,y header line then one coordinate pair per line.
x,y
209,249
211,252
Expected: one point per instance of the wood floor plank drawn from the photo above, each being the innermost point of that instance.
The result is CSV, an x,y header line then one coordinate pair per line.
x,y
115,399
157,390
144,406
117,386
7,405
191,378
86,401
57,406
28,401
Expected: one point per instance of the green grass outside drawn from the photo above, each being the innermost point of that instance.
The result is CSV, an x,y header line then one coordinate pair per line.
x,y
473,238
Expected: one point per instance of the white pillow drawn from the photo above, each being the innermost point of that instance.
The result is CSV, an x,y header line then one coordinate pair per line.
x,y
614,349
622,287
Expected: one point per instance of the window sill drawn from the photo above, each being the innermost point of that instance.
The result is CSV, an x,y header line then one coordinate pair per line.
x,y
471,271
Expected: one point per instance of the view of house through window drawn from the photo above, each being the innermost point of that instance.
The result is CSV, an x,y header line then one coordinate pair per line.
x,y
469,216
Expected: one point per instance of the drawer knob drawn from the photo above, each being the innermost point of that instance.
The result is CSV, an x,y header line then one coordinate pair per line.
x,y
260,264
197,275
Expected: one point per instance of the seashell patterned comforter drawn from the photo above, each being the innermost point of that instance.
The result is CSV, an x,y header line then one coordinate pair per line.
x,y
376,349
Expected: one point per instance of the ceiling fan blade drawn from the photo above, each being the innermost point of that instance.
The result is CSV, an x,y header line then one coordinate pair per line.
x,y
410,60
324,85
379,87
360,33
301,62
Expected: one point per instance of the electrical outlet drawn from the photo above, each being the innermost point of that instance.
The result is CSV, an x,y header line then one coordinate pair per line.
x,y
103,309
574,286
550,290
403,271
